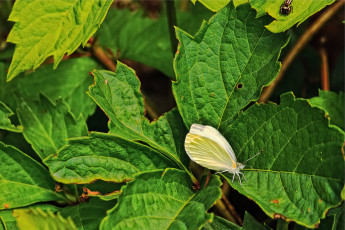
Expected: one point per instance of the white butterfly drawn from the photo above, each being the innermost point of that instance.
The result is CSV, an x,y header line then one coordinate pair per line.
x,y
206,146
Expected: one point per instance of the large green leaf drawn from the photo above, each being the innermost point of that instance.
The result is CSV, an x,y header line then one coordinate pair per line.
x,y
301,11
103,156
5,122
224,67
300,173
163,200
333,104
51,28
121,29
36,219
48,125
118,94
88,215
70,82
23,181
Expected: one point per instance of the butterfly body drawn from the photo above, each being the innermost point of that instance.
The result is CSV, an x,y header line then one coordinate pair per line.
x,y
206,146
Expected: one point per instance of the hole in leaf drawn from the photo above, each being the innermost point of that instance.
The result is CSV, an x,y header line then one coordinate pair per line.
x,y
239,86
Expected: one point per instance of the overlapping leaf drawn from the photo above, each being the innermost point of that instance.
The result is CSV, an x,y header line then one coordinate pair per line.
x,y
165,199
301,10
300,173
213,5
23,180
53,29
333,104
103,156
121,29
48,125
70,82
8,221
224,67
249,223
87,215
38,219
5,122
118,94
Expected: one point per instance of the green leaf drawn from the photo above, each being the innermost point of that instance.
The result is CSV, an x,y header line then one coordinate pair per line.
x,y
239,2
213,5
165,199
219,223
333,104
334,220
37,219
48,125
70,82
118,94
88,215
249,223
23,180
292,177
121,29
9,221
44,29
301,11
5,122
103,157
219,75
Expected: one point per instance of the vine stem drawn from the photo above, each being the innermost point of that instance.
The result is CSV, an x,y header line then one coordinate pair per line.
x,y
171,15
268,91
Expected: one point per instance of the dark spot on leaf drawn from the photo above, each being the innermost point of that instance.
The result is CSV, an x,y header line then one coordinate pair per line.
x,y
45,111
320,201
6,206
239,86
308,209
212,94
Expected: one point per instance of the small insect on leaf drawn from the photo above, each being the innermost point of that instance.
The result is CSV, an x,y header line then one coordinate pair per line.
x,y
285,8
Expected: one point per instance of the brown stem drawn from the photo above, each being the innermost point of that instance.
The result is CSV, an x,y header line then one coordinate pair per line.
x,y
102,56
223,211
267,92
324,67
232,210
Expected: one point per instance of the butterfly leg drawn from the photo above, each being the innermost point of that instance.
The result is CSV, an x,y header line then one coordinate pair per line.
x,y
239,177
243,176
233,177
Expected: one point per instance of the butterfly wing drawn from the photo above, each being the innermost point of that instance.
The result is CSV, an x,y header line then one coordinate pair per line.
x,y
208,153
214,135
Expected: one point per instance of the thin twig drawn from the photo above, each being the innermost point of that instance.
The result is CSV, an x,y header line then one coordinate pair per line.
x,y
232,210
267,92
171,15
324,66
102,56
223,211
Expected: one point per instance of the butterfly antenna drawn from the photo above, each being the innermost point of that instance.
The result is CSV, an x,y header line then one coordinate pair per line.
x,y
253,156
